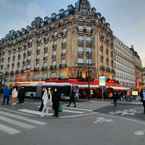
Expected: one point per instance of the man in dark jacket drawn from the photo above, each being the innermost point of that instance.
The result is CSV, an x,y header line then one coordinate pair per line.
x,y
21,95
56,101
115,98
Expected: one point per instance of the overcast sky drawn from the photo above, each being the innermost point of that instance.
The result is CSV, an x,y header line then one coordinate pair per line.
x,y
127,17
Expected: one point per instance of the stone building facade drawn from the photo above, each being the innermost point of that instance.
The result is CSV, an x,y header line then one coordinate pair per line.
x,y
123,64
75,43
143,76
138,68
127,65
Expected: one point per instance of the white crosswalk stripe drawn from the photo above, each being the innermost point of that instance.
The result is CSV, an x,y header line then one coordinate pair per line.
x,y
8,129
22,118
13,123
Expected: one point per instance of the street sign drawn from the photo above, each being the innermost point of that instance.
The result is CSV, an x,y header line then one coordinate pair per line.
x,y
102,81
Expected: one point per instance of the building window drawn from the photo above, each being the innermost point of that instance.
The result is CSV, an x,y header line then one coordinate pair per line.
x,y
54,47
107,61
63,56
13,65
63,45
18,64
29,44
13,58
38,42
38,52
24,63
24,55
8,66
28,61
80,55
53,58
45,59
19,49
107,51
45,40
1,66
101,59
2,60
9,52
101,49
19,56
45,50
80,60
37,61
8,59
89,44
88,55
29,53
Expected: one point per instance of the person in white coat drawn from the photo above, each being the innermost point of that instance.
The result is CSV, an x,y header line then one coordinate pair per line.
x,y
50,100
14,96
46,102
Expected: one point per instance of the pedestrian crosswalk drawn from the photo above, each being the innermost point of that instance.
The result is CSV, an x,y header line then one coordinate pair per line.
x,y
14,122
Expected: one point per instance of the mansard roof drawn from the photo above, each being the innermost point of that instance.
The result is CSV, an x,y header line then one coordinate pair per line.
x,y
39,22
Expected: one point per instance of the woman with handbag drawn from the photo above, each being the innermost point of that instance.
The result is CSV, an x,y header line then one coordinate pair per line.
x,y
45,100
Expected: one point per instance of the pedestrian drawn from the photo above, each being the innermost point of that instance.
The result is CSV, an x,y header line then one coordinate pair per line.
x,y
21,94
1,92
56,102
72,97
77,93
50,99
6,95
41,106
45,103
14,95
143,98
115,98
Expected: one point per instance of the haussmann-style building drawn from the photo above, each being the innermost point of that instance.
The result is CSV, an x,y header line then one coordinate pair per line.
x,y
73,43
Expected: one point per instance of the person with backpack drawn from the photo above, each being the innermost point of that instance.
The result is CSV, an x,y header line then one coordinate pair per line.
x,y
6,95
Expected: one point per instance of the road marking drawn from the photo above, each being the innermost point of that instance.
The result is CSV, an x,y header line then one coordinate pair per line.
x,y
139,132
50,114
16,112
77,116
80,109
22,118
72,111
130,112
8,130
124,118
34,112
102,120
16,123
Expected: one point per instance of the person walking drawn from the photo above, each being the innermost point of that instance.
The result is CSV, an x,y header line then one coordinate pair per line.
x,y
41,105
115,98
45,103
72,97
143,98
56,102
6,95
21,95
14,96
1,92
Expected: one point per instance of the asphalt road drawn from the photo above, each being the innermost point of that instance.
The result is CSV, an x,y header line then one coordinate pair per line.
x,y
91,123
